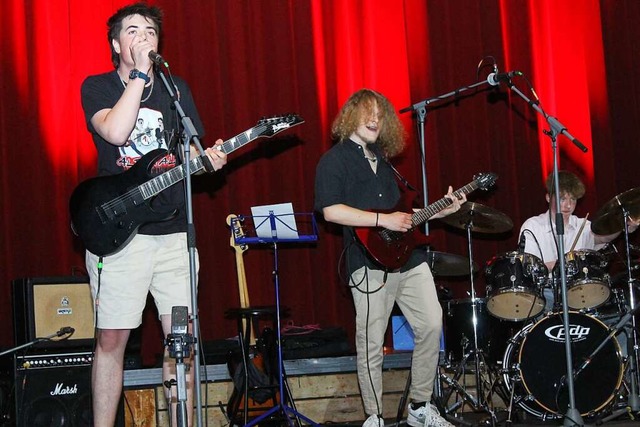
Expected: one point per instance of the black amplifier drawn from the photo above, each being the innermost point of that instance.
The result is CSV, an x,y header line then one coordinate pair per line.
x,y
40,361
53,388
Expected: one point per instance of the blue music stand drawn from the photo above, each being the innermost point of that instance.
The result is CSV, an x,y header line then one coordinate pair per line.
x,y
279,222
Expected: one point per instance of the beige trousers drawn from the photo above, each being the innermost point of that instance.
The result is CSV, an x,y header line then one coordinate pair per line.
x,y
415,293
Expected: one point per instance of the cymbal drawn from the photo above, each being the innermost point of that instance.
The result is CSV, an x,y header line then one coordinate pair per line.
x,y
444,264
609,219
485,219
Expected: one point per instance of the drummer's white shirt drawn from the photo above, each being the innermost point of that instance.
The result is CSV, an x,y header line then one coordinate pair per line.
x,y
545,235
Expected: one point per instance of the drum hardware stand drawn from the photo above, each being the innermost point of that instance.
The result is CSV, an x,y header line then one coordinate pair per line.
x,y
633,400
275,224
480,401
572,416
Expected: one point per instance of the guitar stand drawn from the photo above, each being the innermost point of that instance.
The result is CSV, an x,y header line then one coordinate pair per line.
x,y
247,319
288,412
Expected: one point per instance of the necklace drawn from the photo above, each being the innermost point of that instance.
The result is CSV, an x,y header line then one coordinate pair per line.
x,y
372,159
150,91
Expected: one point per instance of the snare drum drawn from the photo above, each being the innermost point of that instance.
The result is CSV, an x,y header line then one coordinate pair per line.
x,y
514,286
535,366
588,284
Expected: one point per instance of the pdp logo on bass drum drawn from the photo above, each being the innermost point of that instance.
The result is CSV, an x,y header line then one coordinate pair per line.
x,y
576,332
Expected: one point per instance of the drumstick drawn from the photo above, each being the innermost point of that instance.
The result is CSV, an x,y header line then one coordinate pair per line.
x,y
584,221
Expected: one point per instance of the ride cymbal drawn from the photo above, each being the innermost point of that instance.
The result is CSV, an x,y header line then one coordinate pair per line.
x,y
610,219
483,219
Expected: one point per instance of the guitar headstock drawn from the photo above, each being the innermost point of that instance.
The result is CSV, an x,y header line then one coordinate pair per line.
x,y
235,223
485,180
270,126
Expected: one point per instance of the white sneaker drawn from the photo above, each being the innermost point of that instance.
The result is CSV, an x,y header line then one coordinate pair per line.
x,y
374,421
426,416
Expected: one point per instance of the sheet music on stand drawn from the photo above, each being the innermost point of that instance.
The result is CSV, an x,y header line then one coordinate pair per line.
x,y
276,224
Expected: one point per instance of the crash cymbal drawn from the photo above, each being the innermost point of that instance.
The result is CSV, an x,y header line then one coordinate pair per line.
x,y
485,219
610,219
444,264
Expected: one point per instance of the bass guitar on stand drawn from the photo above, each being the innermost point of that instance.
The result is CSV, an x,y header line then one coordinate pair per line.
x,y
258,388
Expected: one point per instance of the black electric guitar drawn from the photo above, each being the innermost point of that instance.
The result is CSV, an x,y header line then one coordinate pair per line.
x,y
392,249
107,211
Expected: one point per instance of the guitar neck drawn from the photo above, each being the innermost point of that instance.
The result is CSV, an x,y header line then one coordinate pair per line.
x,y
165,180
424,214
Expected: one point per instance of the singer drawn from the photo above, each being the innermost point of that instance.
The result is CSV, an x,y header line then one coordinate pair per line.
x,y
543,228
123,109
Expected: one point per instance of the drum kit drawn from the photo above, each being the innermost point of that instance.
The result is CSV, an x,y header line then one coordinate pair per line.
x,y
513,346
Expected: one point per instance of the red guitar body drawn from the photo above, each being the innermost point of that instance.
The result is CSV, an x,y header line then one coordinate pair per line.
x,y
392,249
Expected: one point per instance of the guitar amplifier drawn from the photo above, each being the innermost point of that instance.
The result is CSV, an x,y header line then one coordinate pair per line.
x,y
44,305
53,389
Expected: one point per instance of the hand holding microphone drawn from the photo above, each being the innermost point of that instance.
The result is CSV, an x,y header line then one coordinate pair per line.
x,y
157,59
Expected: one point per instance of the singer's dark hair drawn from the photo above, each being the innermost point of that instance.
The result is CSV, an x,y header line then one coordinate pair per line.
x,y
568,182
358,108
153,14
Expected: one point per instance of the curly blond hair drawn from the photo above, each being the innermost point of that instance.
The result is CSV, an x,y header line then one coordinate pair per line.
x,y
358,107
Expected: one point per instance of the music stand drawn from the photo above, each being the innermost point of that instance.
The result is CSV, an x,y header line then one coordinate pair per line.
x,y
284,224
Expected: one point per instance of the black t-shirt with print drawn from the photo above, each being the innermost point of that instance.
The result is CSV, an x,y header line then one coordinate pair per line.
x,y
156,115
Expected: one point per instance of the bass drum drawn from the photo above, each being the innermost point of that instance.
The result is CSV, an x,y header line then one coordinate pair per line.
x,y
536,356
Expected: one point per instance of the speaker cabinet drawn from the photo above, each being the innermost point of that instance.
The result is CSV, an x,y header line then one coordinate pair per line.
x,y
42,306
53,390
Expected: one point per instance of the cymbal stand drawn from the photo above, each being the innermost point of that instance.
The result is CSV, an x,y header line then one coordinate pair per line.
x,y
633,400
479,402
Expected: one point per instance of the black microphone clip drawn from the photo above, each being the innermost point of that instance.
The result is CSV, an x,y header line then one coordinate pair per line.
x,y
522,243
495,78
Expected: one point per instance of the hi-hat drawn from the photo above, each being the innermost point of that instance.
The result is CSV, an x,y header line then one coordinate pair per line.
x,y
483,219
444,264
610,219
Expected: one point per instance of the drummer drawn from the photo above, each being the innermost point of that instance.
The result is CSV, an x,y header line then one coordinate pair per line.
x,y
540,232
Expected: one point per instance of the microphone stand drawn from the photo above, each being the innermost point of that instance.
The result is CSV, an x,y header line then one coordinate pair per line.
x,y
421,111
191,134
572,416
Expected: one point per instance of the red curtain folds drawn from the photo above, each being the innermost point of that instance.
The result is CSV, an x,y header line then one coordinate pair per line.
x,y
249,59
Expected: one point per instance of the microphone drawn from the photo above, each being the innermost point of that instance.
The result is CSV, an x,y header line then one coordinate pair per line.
x,y
494,79
158,59
179,319
522,243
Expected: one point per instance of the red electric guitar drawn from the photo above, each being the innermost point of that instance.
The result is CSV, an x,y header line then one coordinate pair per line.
x,y
392,249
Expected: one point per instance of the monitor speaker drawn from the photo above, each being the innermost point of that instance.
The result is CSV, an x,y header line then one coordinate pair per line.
x,y
42,306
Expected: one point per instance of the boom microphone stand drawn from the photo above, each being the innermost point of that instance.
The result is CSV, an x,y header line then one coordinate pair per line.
x,y
191,135
421,111
572,416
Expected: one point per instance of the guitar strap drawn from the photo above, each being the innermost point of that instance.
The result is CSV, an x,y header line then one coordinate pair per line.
x,y
399,176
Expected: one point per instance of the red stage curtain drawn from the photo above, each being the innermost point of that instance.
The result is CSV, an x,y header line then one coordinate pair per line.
x,y
249,59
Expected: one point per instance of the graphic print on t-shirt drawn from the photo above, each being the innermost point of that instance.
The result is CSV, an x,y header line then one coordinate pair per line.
x,y
147,135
